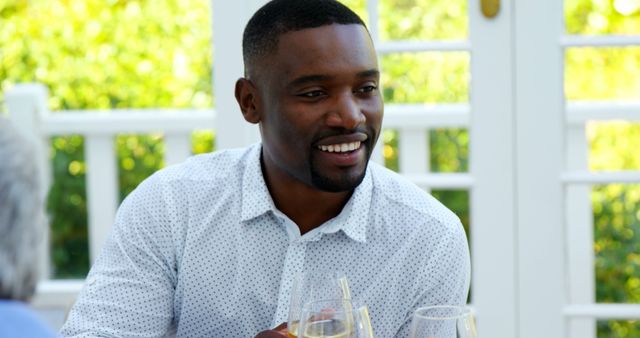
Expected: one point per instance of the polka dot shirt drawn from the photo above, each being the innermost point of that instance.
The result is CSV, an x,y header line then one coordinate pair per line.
x,y
200,250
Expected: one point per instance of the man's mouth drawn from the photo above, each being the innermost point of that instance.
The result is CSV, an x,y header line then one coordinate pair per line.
x,y
341,147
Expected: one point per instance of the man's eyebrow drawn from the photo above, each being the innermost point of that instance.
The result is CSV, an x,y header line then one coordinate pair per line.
x,y
302,80
369,73
307,79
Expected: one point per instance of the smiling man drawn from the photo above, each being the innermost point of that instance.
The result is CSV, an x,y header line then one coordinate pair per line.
x,y
315,96
209,248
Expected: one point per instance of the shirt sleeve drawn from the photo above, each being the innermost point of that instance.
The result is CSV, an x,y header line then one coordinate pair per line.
x,y
450,286
129,290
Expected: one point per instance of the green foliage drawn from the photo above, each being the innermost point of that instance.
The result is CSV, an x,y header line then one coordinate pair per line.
x,y
98,54
429,77
597,17
617,245
613,145
139,157
610,74
617,248
110,54
68,209
616,217
619,329
390,151
449,150
423,19
203,141
602,73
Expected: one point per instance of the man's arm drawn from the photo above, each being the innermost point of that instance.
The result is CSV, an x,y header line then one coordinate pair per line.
x,y
450,285
129,290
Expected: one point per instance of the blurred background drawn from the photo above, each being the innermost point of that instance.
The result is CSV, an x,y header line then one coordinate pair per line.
x,y
136,54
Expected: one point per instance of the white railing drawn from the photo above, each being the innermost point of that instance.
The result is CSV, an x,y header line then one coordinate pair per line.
x,y
582,311
28,109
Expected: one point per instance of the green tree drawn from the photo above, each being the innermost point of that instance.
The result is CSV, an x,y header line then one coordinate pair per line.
x,y
98,54
610,74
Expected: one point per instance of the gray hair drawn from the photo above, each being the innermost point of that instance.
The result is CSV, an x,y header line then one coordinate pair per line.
x,y
22,222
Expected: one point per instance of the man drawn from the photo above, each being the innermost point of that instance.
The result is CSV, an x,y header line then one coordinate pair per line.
x,y
22,233
210,247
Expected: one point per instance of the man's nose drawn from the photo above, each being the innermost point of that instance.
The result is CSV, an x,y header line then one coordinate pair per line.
x,y
346,112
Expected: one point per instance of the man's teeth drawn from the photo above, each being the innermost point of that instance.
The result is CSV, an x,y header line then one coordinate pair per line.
x,y
340,148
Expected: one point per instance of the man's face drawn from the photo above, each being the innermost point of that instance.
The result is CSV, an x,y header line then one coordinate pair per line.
x,y
320,109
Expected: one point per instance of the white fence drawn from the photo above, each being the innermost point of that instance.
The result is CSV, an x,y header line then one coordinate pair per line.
x,y
28,110
27,104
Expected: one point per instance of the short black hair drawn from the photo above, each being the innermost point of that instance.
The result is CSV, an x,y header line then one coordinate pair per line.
x,y
281,16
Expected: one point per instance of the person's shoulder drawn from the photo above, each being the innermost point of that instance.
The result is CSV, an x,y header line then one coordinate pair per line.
x,y
211,172
18,320
405,199
221,165
203,168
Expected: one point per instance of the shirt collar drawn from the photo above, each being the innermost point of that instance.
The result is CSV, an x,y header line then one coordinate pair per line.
x,y
354,217
257,201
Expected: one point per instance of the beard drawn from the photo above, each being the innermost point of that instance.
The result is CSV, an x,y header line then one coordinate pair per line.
x,y
345,182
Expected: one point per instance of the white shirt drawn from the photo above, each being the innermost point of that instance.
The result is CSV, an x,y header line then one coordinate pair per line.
x,y
200,250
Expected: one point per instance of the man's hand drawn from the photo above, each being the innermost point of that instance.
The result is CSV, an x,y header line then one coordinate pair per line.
x,y
279,331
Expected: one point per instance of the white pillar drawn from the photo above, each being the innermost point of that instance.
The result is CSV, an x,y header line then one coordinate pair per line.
x,y
229,19
492,165
540,158
579,241
102,189
413,149
177,147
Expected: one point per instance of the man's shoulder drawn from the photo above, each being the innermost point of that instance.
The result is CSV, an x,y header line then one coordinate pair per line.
x,y
404,198
212,173
207,167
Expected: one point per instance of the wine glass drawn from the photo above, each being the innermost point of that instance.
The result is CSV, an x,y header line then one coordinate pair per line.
x,y
336,318
314,286
443,321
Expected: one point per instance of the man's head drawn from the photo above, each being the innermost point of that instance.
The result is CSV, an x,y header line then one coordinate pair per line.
x,y
22,226
278,17
312,85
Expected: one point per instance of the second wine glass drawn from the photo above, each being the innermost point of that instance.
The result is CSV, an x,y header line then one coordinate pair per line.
x,y
314,286
443,321
337,318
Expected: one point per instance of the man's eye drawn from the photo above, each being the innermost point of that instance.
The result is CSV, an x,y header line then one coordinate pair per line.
x,y
366,89
312,94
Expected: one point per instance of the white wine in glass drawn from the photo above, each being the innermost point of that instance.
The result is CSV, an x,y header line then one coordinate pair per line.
x,y
314,286
337,318
443,321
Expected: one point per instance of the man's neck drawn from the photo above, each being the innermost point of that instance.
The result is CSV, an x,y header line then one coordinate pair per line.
x,y
309,209
307,206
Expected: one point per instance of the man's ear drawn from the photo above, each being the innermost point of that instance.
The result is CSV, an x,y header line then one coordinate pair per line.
x,y
247,97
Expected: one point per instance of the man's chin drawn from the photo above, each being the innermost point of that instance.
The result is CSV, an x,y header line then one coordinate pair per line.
x,y
347,182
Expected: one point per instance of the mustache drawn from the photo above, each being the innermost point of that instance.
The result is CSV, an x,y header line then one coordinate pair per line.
x,y
344,131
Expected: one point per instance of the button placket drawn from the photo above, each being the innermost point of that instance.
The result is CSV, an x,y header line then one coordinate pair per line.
x,y
293,265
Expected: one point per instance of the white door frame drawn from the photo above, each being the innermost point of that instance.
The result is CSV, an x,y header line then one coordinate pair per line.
x,y
540,132
492,166
516,131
